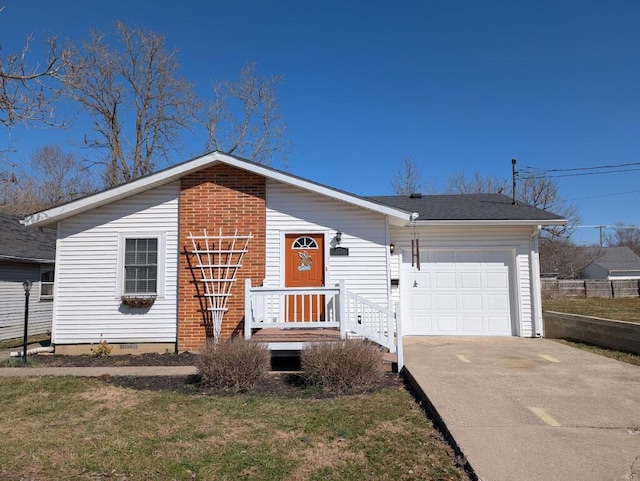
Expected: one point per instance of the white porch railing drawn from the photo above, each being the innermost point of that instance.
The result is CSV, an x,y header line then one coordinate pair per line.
x,y
322,307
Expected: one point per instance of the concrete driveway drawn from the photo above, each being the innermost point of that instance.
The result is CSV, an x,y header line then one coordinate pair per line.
x,y
532,409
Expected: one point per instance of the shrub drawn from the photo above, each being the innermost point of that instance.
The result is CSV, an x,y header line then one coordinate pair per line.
x,y
341,367
103,350
234,364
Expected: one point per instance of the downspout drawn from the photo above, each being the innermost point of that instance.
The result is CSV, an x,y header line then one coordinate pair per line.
x,y
534,273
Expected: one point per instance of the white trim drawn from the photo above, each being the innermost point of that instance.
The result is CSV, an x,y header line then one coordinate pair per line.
x,y
54,309
54,214
46,268
162,254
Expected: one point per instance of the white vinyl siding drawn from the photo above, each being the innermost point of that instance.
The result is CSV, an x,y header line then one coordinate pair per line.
x,y
364,233
87,292
516,239
12,301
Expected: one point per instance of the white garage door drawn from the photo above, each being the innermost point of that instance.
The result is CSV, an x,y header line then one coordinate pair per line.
x,y
459,293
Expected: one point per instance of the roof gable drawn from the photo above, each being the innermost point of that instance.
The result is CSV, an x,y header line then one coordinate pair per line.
x,y
55,214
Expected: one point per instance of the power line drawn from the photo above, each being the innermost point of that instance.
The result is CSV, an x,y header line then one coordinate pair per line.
x,y
613,166
604,195
545,176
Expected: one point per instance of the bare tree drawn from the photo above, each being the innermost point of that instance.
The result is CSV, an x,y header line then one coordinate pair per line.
x,y
407,178
26,94
138,100
244,118
624,235
459,183
562,257
52,177
544,193
540,192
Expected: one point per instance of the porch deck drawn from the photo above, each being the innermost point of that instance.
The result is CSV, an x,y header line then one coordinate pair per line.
x,y
276,334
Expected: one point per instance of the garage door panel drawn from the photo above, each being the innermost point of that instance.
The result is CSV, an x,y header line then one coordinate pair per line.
x,y
421,302
471,302
462,293
472,324
498,302
471,280
445,280
497,280
447,324
499,325
445,302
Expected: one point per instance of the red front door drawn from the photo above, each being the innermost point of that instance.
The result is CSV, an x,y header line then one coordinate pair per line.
x,y
304,267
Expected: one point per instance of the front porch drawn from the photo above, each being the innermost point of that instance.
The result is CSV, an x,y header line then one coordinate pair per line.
x,y
286,319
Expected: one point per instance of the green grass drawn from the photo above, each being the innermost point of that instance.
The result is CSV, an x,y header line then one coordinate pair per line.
x,y
68,428
602,351
623,309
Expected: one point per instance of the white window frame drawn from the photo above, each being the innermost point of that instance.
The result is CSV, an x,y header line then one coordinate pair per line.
x,y
44,269
161,238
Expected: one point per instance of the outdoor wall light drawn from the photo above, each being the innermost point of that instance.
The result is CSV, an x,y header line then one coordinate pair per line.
x,y
338,237
391,248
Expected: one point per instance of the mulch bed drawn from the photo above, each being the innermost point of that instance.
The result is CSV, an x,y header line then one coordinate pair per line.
x,y
150,359
280,382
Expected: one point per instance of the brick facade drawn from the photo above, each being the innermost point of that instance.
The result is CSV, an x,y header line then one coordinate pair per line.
x,y
224,197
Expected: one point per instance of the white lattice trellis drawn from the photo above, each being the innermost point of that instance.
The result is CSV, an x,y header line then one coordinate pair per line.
x,y
218,257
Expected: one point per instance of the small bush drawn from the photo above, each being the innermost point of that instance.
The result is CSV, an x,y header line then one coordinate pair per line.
x,y
103,350
233,365
342,367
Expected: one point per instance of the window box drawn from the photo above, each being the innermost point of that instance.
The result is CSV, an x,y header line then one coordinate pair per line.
x,y
138,302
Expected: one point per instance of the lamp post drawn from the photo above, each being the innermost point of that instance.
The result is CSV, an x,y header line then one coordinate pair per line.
x,y
27,287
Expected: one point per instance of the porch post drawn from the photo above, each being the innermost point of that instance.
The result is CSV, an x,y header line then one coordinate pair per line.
x,y
342,312
399,347
248,317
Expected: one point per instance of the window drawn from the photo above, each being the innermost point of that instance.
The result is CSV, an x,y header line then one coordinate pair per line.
x,y
141,266
46,282
304,242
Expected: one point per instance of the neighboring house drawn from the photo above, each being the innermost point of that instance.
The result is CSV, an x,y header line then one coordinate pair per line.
x,y
612,263
166,261
25,255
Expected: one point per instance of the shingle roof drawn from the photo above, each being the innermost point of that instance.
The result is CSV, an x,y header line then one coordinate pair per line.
x,y
18,242
466,207
615,258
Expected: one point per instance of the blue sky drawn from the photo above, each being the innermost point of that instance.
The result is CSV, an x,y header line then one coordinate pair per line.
x,y
458,86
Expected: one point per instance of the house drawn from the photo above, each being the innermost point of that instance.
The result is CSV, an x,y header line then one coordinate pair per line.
x,y
612,263
219,245
25,255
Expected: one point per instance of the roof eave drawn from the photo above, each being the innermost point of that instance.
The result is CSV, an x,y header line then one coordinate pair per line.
x,y
490,222
26,260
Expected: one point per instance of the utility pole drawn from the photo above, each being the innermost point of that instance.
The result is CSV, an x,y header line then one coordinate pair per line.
x,y
513,176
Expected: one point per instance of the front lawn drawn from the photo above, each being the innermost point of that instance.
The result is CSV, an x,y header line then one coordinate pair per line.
x,y
92,429
623,309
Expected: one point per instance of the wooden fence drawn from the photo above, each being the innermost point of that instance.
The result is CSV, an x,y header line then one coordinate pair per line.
x,y
581,288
